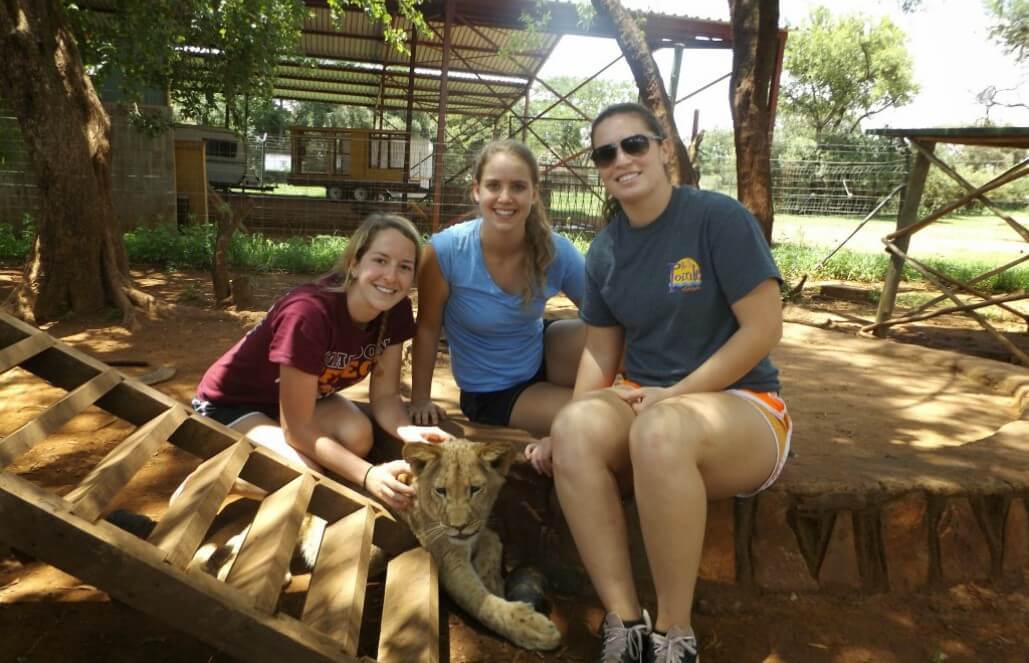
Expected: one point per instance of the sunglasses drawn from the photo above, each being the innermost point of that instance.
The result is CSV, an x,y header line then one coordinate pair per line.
x,y
635,146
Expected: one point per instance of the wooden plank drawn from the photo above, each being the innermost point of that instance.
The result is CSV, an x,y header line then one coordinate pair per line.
x,y
35,431
263,560
130,570
907,215
335,598
15,354
183,526
100,486
410,611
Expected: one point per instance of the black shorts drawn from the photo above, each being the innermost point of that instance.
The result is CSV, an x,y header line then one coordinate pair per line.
x,y
230,414
495,407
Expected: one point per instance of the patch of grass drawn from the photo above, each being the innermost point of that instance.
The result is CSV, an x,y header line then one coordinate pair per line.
x,y
193,248
795,260
17,245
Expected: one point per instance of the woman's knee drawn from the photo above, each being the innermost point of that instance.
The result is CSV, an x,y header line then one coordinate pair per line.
x,y
664,436
586,431
358,434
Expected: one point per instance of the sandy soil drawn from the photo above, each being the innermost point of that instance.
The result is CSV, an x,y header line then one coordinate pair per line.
x,y
46,615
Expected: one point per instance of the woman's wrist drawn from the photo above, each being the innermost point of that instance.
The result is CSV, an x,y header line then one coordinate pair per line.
x,y
364,481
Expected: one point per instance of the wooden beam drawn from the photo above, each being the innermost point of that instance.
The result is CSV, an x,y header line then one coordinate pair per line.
x,y
118,467
335,598
410,610
264,558
907,216
132,571
15,354
183,526
73,403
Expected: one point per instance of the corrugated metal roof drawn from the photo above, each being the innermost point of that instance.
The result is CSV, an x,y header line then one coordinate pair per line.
x,y
488,40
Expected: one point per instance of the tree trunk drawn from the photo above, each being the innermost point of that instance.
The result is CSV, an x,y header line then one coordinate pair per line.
x,y
637,53
78,261
755,31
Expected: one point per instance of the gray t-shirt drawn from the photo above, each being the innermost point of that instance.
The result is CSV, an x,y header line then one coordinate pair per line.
x,y
671,283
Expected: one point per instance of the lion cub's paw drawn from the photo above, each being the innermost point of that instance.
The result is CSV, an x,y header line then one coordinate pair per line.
x,y
530,629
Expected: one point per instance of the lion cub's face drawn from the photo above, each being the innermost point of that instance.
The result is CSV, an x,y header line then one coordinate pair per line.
x,y
457,482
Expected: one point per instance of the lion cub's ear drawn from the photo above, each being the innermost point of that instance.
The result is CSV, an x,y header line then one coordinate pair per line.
x,y
420,454
499,455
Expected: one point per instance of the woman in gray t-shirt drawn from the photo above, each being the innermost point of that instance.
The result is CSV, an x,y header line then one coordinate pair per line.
x,y
684,282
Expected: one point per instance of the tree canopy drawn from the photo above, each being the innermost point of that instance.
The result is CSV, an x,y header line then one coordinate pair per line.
x,y
1011,26
843,70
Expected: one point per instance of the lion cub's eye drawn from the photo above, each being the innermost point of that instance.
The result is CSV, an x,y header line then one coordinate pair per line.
x,y
474,489
441,491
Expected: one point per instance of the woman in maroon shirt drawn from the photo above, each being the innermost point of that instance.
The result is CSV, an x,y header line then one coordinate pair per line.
x,y
279,384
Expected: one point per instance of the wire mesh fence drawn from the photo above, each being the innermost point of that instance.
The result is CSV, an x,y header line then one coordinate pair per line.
x,y
327,181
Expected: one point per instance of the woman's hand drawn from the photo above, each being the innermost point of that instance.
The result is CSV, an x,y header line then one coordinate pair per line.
x,y
383,481
640,398
422,434
539,455
424,412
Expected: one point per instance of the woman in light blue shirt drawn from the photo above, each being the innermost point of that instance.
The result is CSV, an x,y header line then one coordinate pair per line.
x,y
486,282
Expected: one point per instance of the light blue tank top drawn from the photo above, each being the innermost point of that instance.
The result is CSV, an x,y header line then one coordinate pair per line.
x,y
496,342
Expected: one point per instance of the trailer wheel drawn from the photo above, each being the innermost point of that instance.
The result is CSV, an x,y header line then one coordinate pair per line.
x,y
334,192
360,194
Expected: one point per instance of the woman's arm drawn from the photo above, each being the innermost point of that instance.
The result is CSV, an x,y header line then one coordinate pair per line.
x,y
601,357
388,405
297,391
759,314
433,291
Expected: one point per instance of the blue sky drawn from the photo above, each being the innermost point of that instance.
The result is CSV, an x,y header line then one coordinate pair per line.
x,y
954,58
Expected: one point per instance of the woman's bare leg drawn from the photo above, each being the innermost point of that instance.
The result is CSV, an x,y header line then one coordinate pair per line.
x,y
591,463
335,416
685,451
536,407
562,348
339,418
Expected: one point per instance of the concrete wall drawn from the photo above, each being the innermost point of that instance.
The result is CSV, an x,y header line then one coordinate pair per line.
x,y
142,172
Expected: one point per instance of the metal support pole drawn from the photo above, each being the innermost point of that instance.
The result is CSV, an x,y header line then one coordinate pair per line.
x,y
525,110
676,70
773,94
408,114
441,121
907,216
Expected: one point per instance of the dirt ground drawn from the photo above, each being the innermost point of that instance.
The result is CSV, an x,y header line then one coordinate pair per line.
x,y
46,615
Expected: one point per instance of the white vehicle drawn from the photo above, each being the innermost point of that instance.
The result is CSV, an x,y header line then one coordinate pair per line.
x,y
223,152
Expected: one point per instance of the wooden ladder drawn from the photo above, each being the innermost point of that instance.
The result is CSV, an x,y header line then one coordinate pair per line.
x,y
238,616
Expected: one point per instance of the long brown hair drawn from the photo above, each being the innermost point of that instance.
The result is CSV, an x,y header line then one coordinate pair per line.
x,y
611,204
539,243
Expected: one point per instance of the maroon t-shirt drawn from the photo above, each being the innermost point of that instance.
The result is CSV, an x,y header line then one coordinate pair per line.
x,y
309,329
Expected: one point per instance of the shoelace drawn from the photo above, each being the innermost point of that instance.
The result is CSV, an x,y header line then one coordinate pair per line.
x,y
618,640
672,649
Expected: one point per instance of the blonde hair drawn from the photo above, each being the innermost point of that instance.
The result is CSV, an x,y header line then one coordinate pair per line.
x,y
363,237
358,245
539,244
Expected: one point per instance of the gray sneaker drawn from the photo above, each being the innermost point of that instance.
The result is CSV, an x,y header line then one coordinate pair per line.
x,y
674,647
621,644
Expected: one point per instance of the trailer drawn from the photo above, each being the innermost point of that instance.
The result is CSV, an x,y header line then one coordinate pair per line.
x,y
360,164
224,154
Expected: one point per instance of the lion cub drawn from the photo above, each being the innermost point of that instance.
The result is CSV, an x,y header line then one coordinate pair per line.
x,y
456,484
